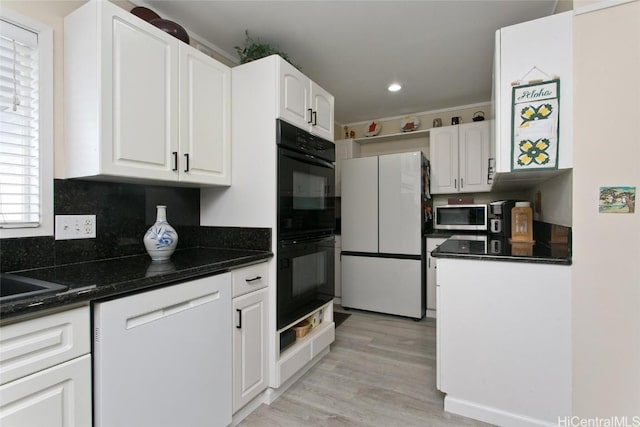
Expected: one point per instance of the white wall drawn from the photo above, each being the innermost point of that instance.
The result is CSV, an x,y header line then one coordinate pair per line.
x,y
556,197
52,13
391,125
606,247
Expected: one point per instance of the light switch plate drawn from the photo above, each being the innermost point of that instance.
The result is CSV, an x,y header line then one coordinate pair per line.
x,y
75,227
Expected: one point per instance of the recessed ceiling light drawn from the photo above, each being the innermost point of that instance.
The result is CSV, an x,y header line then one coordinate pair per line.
x,y
394,87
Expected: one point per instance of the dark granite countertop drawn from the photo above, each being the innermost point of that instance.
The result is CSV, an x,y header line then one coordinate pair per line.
x,y
89,281
496,249
445,234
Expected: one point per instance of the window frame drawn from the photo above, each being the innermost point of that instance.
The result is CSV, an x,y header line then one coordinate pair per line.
x,y
46,141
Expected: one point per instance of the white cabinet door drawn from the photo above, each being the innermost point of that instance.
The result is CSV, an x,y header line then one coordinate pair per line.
x,y
443,155
250,375
321,112
205,120
473,145
460,158
303,103
139,97
360,205
400,203
295,97
58,396
432,244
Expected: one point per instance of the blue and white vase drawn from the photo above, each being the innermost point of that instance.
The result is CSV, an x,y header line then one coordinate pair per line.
x,y
161,239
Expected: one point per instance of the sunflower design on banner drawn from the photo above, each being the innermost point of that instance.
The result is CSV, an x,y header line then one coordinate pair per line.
x,y
535,126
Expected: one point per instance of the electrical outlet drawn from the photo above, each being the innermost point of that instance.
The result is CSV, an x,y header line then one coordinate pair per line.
x,y
75,227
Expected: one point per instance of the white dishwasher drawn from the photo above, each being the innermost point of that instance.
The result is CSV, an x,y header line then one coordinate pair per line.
x,y
163,357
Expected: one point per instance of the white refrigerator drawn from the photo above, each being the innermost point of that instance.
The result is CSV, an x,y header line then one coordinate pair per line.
x,y
383,254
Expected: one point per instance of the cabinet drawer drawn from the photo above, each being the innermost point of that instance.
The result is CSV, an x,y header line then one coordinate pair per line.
x,y
33,345
293,362
250,278
323,339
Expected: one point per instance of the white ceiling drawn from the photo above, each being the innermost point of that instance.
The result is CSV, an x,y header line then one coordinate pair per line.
x,y
440,51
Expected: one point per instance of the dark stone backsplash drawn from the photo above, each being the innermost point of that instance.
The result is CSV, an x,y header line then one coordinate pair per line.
x,y
123,212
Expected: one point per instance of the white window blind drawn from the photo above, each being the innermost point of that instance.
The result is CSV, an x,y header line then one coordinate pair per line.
x,y
20,172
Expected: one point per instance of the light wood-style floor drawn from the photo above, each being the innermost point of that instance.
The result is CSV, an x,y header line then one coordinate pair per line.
x,y
381,371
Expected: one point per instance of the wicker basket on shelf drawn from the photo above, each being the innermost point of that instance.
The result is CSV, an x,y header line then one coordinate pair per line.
x,y
302,328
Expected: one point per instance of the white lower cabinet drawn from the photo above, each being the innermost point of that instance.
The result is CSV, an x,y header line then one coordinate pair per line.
x,y
499,360
338,268
306,348
45,370
58,396
250,375
250,333
432,244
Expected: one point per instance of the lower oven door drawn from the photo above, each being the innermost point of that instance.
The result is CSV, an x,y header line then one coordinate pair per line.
x,y
305,276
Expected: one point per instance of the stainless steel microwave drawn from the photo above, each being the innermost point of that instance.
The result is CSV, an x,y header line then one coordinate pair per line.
x,y
461,217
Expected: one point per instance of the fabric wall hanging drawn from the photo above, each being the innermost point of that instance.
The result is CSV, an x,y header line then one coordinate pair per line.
x,y
535,115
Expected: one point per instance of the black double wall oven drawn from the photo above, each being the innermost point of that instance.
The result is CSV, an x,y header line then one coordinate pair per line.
x,y
306,220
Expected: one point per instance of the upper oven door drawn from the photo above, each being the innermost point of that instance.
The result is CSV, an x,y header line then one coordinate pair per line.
x,y
306,190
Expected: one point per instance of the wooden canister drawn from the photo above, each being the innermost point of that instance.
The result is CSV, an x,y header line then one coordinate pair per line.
x,y
522,223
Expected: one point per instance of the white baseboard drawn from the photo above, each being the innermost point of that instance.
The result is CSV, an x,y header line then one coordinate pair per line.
x,y
247,409
491,415
337,300
431,314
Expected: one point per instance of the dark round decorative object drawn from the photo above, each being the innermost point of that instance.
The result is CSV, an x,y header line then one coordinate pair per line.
x,y
145,13
478,116
172,28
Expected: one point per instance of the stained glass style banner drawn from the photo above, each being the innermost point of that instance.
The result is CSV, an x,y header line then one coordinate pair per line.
x,y
535,114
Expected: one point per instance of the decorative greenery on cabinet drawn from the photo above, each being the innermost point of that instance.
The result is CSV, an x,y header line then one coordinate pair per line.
x,y
253,49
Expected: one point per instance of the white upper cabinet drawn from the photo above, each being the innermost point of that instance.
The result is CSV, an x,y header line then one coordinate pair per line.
x,y
443,155
322,112
140,104
303,103
459,158
205,118
547,45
